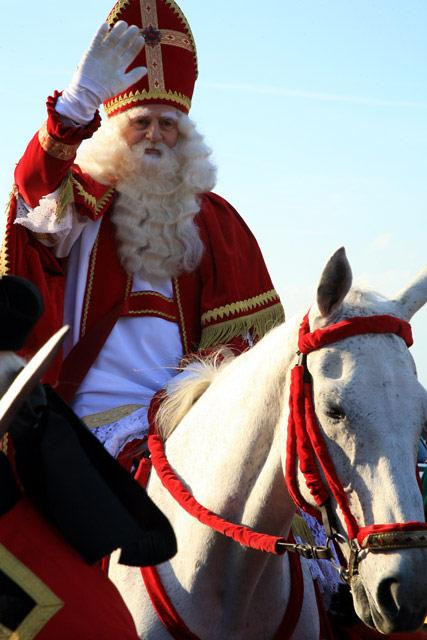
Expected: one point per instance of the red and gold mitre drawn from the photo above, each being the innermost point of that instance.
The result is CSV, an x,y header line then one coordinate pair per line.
x,y
169,55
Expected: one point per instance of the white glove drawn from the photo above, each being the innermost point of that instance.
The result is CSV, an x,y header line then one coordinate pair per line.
x,y
101,73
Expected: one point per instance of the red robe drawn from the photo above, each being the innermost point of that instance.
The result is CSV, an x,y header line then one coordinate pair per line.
x,y
229,294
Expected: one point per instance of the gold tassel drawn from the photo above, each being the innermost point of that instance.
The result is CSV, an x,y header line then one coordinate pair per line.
x,y
65,196
258,323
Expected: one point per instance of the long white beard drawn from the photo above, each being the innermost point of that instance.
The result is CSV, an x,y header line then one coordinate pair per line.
x,y
158,197
154,214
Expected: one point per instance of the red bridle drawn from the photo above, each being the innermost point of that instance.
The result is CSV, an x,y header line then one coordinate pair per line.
x,y
306,445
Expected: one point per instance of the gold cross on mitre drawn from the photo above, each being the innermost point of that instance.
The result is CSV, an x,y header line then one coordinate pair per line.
x,y
155,38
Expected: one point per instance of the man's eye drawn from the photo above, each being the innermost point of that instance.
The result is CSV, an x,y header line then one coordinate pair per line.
x,y
167,124
143,123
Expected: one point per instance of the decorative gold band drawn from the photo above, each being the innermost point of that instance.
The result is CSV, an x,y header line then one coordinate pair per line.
x,y
96,420
4,248
241,306
116,10
127,99
95,204
54,148
257,324
46,603
395,540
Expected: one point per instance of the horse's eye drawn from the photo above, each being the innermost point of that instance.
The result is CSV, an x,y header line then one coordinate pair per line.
x,y
335,412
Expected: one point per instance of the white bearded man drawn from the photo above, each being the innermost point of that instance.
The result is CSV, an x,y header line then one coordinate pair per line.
x,y
126,242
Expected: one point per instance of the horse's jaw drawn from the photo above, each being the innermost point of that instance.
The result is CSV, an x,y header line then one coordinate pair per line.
x,y
392,604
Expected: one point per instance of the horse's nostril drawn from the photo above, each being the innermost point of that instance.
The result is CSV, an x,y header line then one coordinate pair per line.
x,y
388,596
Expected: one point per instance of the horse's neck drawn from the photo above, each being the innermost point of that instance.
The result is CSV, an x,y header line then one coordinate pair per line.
x,y
228,451
234,427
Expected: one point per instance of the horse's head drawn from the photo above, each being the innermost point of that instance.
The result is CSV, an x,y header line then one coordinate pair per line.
x,y
371,410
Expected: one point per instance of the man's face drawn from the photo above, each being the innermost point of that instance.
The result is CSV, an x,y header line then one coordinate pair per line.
x,y
156,123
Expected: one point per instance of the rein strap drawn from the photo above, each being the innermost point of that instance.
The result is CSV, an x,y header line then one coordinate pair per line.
x,y
239,533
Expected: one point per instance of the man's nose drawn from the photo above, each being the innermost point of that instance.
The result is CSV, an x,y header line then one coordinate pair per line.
x,y
153,132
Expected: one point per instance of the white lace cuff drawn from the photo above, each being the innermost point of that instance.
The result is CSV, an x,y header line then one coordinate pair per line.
x,y
116,435
58,232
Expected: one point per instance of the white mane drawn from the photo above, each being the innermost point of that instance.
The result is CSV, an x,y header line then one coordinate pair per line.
x,y
197,377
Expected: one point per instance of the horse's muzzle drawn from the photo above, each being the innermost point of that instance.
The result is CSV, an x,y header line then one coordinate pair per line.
x,y
392,611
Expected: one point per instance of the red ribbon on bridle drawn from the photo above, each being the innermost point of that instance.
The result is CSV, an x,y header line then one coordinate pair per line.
x,y
306,445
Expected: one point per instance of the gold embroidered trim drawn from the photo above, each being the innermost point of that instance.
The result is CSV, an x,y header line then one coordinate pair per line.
x,y
153,312
239,307
90,200
4,443
181,314
88,294
129,284
4,252
153,54
116,10
258,324
186,24
55,148
395,540
177,39
150,293
95,420
47,603
139,96
121,4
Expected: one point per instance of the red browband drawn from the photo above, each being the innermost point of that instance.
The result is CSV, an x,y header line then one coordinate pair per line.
x,y
310,341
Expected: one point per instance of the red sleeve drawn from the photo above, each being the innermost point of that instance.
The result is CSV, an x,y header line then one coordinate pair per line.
x,y
50,155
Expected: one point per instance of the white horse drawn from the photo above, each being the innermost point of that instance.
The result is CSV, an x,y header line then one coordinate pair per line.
x,y
230,450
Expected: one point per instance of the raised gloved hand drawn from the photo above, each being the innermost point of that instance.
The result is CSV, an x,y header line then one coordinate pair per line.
x,y
101,73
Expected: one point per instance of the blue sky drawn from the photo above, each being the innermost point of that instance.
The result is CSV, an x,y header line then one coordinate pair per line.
x,y
316,111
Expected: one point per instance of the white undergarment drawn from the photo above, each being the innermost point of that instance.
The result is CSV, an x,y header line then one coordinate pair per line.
x,y
141,354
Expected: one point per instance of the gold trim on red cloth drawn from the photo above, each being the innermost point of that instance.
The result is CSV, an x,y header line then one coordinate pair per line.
x,y
241,306
89,287
4,252
47,604
177,295
160,33
177,39
54,148
139,96
149,20
97,205
116,10
257,324
150,303
121,4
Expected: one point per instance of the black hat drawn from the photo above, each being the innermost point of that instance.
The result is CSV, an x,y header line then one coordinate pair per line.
x,y
21,305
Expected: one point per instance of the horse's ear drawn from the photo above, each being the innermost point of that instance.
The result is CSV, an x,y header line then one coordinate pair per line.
x,y
335,283
414,296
